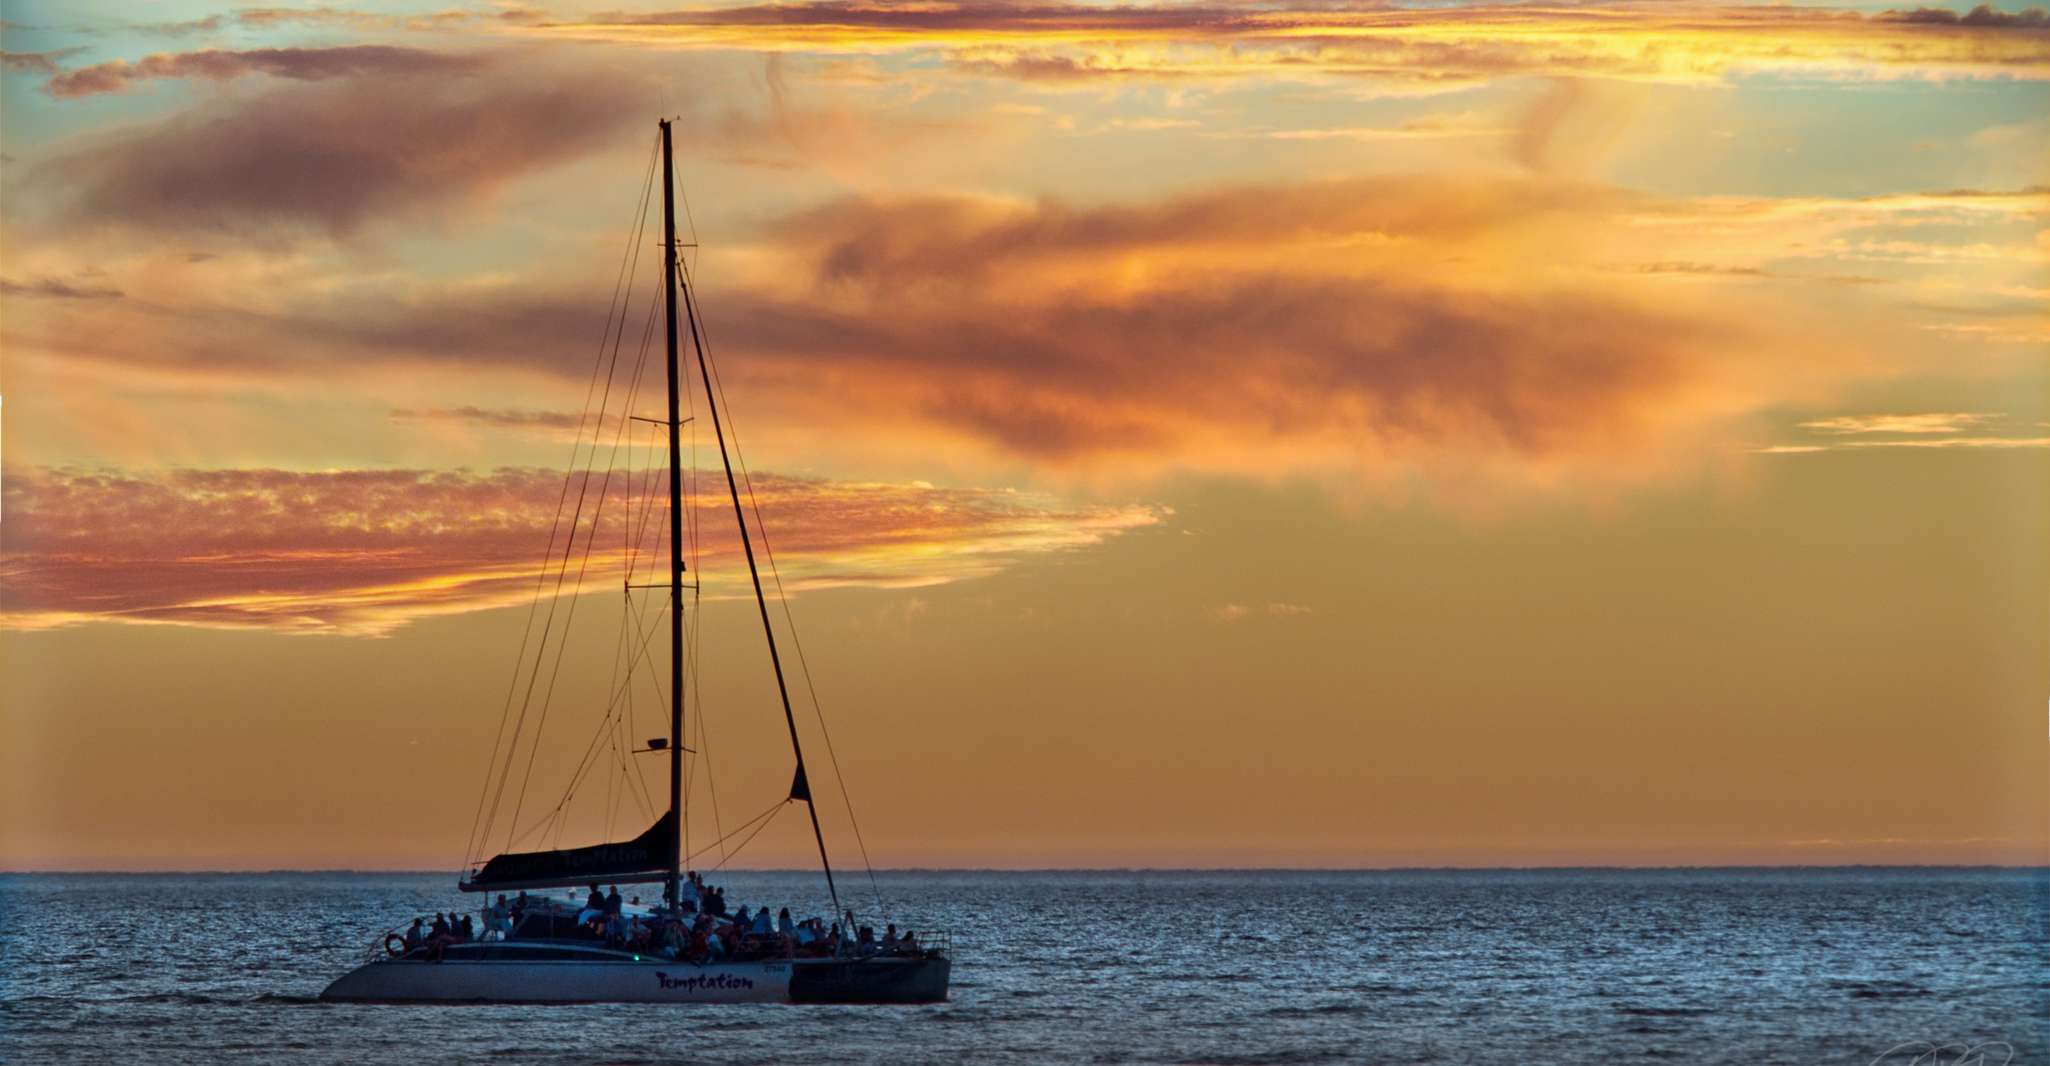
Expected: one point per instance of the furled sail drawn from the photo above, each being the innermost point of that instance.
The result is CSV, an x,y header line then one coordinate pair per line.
x,y
648,857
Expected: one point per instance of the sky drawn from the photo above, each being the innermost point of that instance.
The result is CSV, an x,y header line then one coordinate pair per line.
x,y
1327,434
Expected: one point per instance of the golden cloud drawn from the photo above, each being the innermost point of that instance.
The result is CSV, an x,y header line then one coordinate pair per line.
x,y
1067,41
366,551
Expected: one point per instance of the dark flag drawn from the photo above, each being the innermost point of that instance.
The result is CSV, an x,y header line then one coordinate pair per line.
x,y
800,789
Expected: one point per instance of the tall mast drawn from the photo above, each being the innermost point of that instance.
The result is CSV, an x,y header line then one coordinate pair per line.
x,y
669,892
800,785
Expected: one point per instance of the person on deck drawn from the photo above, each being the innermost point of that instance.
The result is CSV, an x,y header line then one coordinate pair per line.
x,y
417,935
890,939
783,923
498,920
465,931
638,934
674,939
597,900
440,936
765,925
612,902
714,947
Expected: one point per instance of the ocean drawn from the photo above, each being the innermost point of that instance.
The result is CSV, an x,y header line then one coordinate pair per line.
x,y
1851,965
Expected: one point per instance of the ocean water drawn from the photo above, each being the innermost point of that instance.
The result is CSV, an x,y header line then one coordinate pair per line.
x,y
1579,966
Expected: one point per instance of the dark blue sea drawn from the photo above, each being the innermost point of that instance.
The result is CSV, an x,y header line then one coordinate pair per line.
x,y
1557,966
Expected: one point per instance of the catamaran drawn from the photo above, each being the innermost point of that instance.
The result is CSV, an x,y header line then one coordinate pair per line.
x,y
553,953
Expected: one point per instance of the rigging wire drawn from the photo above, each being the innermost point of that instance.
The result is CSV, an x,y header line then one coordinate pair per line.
x,y
481,826
590,542
789,620
555,671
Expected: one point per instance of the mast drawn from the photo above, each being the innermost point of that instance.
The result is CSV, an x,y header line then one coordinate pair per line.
x,y
669,892
800,785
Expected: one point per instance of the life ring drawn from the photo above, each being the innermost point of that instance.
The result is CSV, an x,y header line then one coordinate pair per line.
x,y
394,945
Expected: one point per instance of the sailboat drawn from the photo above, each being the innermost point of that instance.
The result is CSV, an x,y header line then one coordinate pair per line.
x,y
552,953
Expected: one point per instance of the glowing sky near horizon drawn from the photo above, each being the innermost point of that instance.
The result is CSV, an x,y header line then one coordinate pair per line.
x,y
1195,434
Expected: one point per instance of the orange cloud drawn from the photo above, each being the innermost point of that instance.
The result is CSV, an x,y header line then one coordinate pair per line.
x,y
366,551
1312,327
1680,42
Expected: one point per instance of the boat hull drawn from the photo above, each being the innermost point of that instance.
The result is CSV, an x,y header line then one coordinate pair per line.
x,y
883,980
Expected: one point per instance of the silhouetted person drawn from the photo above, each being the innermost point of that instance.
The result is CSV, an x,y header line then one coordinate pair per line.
x,y
612,905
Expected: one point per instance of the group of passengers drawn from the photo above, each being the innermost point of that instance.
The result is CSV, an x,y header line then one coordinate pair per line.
x,y
447,929
699,929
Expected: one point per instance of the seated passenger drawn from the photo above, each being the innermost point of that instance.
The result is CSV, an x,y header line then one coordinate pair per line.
x,y
783,923
715,944
439,937
597,900
465,931
889,945
499,920
674,939
764,925
865,946
416,935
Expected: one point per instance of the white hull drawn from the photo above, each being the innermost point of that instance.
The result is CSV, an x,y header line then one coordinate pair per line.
x,y
562,982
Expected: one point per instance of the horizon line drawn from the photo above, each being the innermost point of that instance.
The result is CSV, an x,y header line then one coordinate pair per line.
x,y
1705,867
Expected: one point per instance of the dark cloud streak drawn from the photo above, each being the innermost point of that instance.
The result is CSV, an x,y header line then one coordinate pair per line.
x,y
299,64
335,156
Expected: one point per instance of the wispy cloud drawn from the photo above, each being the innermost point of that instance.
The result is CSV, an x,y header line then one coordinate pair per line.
x,y
1932,422
1239,612
60,289
1970,430
366,551
498,418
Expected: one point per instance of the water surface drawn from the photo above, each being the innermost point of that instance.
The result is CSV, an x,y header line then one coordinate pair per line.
x,y
1737,966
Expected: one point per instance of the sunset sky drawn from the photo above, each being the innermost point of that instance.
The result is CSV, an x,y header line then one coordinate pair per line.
x,y
1279,434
